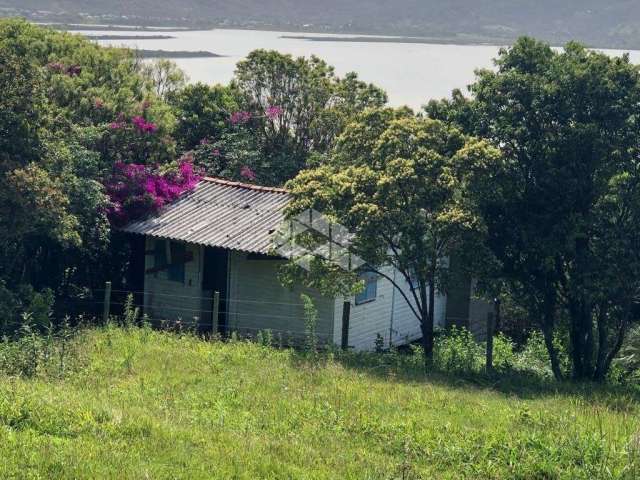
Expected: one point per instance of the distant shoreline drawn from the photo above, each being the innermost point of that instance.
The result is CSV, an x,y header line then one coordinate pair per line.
x,y
389,39
174,54
129,37
318,36
303,34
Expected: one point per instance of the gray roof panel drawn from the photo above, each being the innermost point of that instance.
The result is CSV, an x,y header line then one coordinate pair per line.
x,y
220,213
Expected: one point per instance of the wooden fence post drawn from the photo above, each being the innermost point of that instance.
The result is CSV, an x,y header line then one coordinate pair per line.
x,y
489,359
215,312
107,302
346,312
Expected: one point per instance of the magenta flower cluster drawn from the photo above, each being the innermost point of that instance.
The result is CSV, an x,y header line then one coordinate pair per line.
x,y
140,123
143,126
239,118
273,112
137,191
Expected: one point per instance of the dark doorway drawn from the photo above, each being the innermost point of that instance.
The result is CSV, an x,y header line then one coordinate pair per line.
x,y
135,271
214,279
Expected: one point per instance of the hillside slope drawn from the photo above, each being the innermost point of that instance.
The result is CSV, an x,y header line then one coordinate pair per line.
x,y
140,404
614,23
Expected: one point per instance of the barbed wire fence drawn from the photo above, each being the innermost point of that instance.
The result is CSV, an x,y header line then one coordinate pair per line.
x,y
280,323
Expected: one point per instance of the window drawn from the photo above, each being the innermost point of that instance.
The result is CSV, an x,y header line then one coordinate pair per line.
x,y
178,258
173,265
413,279
370,288
159,255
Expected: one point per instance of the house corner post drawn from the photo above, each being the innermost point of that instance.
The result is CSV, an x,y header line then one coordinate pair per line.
x,y
215,313
346,313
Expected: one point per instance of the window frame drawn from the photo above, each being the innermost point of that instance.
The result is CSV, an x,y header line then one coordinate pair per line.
x,y
370,278
165,252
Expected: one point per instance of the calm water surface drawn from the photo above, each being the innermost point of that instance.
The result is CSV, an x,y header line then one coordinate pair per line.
x,y
411,73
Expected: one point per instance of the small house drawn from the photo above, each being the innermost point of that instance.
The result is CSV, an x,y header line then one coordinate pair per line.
x,y
218,238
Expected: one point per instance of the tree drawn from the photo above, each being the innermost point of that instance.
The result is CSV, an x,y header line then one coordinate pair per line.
x,y
203,113
68,111
313,106
165,77
395,181
562,205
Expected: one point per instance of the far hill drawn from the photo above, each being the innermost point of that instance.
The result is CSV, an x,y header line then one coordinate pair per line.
x,y
613,23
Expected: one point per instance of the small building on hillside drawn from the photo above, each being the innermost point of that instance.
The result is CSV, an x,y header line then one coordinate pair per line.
x,y
219,238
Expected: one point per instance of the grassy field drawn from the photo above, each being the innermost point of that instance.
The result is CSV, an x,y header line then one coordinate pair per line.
x,y
141,404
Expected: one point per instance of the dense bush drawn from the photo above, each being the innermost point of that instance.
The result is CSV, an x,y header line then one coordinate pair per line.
x,y
39,350
457,351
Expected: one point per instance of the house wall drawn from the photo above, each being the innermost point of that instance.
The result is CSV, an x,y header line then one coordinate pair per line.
x,y
258,301
170,300
406,327
388,315
479,310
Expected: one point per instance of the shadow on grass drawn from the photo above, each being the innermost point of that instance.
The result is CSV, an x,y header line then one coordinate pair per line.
x,y
409,368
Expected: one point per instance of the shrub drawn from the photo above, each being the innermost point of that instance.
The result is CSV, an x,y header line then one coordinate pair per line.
x,y
627,365
504,356
310,322
35,351
457,351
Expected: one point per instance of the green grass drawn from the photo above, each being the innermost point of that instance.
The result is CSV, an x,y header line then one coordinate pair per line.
x,y
142,404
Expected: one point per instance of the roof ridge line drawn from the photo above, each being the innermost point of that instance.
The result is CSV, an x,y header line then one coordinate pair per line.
x,y
249,186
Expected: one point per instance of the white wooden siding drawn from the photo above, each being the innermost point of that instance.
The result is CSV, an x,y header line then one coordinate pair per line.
x,y
258,301
388,316
169,300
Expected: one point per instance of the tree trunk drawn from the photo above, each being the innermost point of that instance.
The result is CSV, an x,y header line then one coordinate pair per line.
x,y
601,358
581,316
601,373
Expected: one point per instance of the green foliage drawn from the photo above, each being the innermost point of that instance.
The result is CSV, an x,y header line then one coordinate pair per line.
x,y
397,182
202,113
567,181
39,350
310,323
63,97
458,352
165,77
315,107
628,361
144,403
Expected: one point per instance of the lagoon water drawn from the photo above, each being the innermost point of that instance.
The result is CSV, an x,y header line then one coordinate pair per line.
x,y
411,73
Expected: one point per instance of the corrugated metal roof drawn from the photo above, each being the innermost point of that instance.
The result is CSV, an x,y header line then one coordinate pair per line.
x,y
220,213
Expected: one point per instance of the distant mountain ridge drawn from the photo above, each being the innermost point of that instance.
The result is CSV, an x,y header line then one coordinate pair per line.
x,y
613,23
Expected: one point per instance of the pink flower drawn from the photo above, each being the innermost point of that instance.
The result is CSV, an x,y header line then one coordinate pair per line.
x,y
151,127
247,173
116,125
204,141
136,191
143,126
273,112
98,103
216,153
239,118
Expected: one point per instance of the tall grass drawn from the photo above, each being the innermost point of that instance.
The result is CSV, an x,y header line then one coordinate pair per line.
x,y
139,403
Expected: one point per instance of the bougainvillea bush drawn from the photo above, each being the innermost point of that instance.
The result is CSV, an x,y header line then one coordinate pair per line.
x,y
137,191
